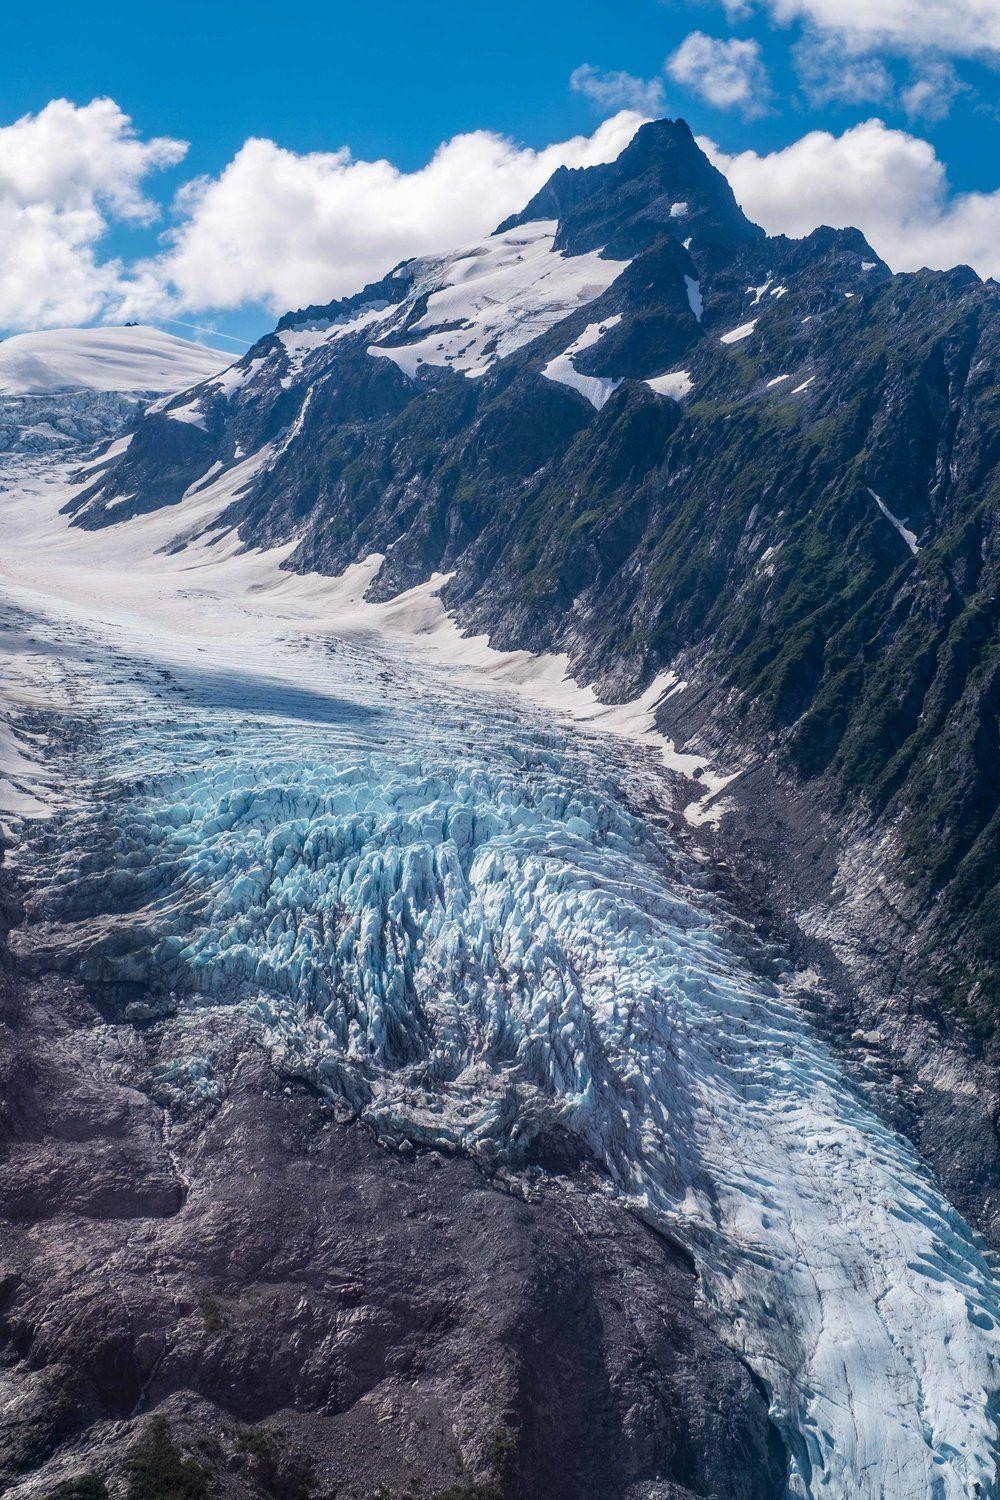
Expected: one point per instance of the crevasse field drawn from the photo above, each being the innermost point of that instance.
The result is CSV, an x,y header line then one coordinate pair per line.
x,y
444,903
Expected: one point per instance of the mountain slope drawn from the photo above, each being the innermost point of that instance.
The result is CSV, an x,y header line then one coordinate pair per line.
x,y
633,427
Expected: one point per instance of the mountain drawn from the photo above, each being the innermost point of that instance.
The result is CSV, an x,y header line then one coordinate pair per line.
x,y
631,426
67,385
133,359
402,1094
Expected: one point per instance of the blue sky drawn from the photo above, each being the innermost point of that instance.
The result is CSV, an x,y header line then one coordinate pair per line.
x,y
394,80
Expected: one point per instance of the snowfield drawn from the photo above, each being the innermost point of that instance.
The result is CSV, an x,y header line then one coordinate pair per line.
x,y
598,389
137,360
494,298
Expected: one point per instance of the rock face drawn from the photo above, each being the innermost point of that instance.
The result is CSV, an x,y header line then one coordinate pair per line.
x,y
259,1300
636,428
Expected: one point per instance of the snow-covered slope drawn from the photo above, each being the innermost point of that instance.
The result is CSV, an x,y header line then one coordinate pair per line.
x,y
463,312
496,297
137,360
67,386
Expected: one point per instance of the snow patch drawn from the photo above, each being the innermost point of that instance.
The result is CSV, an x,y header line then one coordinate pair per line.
x,y
908,536
300,343
677,383
494,298
236,378
736,334
191,413
596,388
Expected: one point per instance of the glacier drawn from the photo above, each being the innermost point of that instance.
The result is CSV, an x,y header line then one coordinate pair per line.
x,y
445,908
132,359
491,299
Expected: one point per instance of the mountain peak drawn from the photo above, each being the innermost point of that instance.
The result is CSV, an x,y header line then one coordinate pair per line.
x,y
658,138
662,182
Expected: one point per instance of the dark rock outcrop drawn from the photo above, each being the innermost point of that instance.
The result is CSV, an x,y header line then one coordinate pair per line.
x,y
256,1299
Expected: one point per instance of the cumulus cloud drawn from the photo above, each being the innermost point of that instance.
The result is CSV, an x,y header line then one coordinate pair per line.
x,y
728,73
617,90
284,229
831,72
66,174
960,28
888,183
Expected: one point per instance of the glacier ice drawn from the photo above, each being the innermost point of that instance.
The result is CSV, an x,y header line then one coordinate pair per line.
x,y
445,909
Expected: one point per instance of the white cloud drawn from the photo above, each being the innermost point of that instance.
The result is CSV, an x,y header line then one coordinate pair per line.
x,y
888,183
66,173
932,91
830,74
281,229
287,230
729,74
961,28
72,157
831,71
614,90
49,274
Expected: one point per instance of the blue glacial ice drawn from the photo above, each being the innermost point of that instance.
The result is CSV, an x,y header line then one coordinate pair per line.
x,y
445,910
